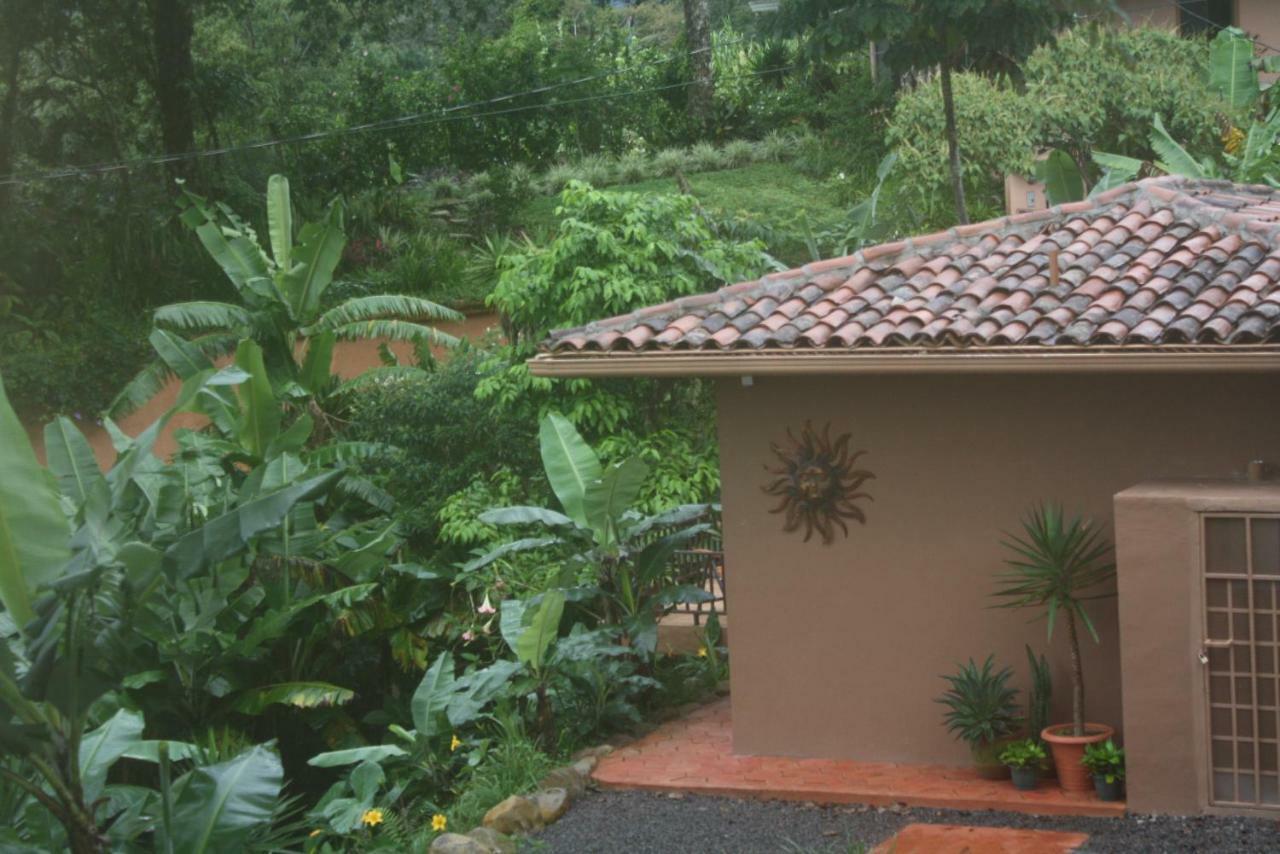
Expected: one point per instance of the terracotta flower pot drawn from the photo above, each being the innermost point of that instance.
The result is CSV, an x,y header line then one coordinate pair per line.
x,y
1068,750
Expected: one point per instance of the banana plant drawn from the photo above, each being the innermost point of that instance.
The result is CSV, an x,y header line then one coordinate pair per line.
x,y
282,305
600,534
75,601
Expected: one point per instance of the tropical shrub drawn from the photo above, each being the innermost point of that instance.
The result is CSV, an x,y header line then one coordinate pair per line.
x,y
87,560
1104,760
996,139
1131,74
612,253
435,440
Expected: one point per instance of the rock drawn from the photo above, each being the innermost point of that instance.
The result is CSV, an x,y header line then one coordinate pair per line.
x,y
621,740
567,778
590,752
493,841
585,765
552,803
514,815
722,689
456,843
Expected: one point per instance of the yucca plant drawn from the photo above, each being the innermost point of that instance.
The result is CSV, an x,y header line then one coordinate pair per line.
x,y
981,707
281,303
1054,563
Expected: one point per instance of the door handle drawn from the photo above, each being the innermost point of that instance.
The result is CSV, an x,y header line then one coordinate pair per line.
x,y
1208,644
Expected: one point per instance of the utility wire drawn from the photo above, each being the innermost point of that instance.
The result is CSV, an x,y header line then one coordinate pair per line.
x,y
438,116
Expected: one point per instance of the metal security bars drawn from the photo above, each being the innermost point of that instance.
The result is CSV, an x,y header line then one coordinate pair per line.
x,y
1241,655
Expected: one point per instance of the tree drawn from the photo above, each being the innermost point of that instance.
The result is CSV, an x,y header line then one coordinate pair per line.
x,y
172,25
949,35
697,28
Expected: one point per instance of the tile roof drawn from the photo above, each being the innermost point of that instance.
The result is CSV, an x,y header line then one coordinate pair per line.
x,y
1166,261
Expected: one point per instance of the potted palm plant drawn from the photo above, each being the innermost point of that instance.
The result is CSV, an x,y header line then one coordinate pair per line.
x,y
1054,566
982,711
1024,759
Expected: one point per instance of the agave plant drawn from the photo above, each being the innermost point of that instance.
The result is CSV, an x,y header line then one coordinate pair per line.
x,y
1054,563
981,707
282,303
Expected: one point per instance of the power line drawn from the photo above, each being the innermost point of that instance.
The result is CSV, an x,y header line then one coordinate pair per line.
x,y
440,116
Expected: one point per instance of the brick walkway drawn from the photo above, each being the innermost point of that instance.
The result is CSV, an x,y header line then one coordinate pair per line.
x,y
958,839
694,754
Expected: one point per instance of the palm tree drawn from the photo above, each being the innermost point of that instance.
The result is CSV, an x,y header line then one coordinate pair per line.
x,y
281,304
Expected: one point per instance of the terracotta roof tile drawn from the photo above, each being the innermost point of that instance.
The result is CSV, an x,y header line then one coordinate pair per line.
x,y
1163,261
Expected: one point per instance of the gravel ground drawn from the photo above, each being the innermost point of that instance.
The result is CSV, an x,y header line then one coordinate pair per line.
x,y
641,822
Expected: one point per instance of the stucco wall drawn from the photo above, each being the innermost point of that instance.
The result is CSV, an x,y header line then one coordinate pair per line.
x,y
837,650
1158,546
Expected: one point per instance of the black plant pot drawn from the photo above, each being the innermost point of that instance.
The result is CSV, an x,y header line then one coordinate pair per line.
x,y
1107,790
1024,778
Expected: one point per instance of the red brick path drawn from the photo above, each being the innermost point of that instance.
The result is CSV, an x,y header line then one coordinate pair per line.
x,y
958,839
694,755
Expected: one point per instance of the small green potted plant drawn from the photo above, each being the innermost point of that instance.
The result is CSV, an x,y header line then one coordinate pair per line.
x,y
982,711
1105,762
1024,760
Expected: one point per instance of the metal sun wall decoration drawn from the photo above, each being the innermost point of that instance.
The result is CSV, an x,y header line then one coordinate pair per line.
x,y
817,482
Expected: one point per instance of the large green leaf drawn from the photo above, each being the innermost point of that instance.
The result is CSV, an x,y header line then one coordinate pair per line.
x,y
524,516
385,307
354,755
201,316
1116,170
432,698
610,496
179,356
536,638
476,690
34,534
1061,176
228,534
315,258
317,367
238,256
394,330
71,460
260,423
570,464
299,695
220,806
100,748
1231,71
280,221
1173,158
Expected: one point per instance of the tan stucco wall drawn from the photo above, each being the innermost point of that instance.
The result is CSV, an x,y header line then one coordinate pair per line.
x,y
1158,546
837,650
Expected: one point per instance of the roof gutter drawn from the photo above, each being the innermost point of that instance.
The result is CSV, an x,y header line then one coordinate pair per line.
x,y
1127,359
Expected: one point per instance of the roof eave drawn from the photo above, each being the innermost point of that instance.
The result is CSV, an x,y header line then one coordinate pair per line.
x,y
1127,359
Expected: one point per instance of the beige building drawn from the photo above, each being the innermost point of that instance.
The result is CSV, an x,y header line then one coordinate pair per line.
x,y
1064,355
1259,18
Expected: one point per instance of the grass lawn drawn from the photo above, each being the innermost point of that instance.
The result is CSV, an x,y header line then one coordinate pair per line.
x,y
771,194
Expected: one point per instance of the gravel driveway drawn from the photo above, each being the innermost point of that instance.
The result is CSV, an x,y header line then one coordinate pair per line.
x,y
639,822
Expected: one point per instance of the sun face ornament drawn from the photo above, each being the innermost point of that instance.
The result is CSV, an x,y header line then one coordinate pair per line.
x,y
817,481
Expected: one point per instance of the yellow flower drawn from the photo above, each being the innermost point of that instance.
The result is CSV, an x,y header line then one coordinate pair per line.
x,y
372,818
313,834
439,822
455,744
702,652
